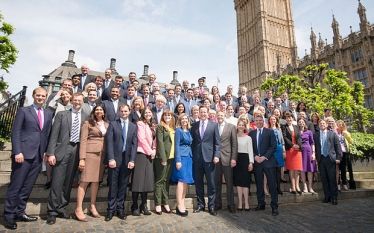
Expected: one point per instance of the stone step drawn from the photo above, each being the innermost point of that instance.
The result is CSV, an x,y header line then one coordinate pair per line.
x,y
5,155
362,175
39,206
6,165
5,146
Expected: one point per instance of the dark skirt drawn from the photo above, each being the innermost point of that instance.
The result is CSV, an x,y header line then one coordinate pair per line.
x,y
143,176
242,177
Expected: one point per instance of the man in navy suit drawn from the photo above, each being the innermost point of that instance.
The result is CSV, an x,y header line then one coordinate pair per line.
x,y
264,146
132,78
328,155
117,83
121,144
148,99
76,80
30,134
205,155
112,105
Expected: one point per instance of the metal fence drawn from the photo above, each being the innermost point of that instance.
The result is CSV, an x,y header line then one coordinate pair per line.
x,y
8,111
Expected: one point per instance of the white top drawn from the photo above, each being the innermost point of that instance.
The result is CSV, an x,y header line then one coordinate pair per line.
x,y
245,146
232,120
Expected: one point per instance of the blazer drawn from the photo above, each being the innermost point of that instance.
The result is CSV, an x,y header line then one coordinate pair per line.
x,y
249,100
133,116
310,127
228,144
151,101
86,108
182,142
333,146
92,139
111,115
89,79
164,143
146,142
267,147
185,103
287,136
114,142
78,90
27,138
234,98
154,110
174,104
207,147
106,94
60,135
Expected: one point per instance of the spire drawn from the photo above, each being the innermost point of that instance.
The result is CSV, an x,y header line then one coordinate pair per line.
x,y
321,44
337,37
364,23
313,41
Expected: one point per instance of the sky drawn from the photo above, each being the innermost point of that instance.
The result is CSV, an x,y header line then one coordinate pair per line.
x,y
194,37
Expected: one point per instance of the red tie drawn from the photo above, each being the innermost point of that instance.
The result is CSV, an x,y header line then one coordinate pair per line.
x,y
146,101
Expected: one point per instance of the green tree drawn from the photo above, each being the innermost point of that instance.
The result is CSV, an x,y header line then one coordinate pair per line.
x,y
8,52
320,88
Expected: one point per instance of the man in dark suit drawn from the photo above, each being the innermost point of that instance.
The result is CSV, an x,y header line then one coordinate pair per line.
x,y
159,108
201,88
264,146
188,102
229,141
230,90
85,77
148,99
243,92
121,143
63,149
205,155
269,97
328,155
30,134
117,83
76,79
241,111
230,101
185,87
108,82
132,78
99,81
170,101
112,105
151,81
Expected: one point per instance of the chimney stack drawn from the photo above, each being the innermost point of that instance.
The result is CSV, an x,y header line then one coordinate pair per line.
x,y
70,62
175,78
145,73
113,66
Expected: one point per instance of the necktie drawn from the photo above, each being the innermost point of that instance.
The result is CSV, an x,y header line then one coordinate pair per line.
x,y
146,101
259,141
324,144
99,92
75,129
201,92
171,105
124,136
106,83
189,106
40,119
202,130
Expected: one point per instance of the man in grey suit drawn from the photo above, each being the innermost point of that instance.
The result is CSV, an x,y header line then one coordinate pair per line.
x,y
229,141
328,155
85,77
91,103
62,152
205,156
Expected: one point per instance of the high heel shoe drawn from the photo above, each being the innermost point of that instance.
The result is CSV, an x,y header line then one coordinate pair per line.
x,y
183,214
165,210
311,191
158,212
299,192
80,219
144,209
345,187
94,214
284,180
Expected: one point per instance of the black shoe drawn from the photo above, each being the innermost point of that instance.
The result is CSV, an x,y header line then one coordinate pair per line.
x,y
47,185
326,200
199,208
108,216
299,192
10,224
260,207
334,202
51,219
183,214
144,209
274,212
135,212
280,192
216,208
212,212
64,215
26,218
121,215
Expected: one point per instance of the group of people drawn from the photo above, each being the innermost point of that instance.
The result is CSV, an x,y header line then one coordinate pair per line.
x,y
146,138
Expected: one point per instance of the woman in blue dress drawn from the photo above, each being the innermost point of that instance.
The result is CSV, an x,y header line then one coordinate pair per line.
x,y
182,172
280,153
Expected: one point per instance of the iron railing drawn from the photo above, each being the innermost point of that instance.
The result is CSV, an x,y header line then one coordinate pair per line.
x,y
8,111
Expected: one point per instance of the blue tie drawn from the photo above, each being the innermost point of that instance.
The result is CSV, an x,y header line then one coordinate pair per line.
x,y
259,142
124,136
324,144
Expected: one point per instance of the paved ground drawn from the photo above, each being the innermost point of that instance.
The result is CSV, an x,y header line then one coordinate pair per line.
x,y
354,215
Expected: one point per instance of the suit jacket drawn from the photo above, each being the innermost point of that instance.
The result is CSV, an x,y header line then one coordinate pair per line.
x,y
168,105
133,116
60,135
183,142
185,103
106,94
154,110
111,83
164,143
146,142
78,90
86,108
311,127
111,115
228,144
114,142
267,147
151,101
234,98
333,146
27,138
89,79
287,136
92,140
249,100
208,147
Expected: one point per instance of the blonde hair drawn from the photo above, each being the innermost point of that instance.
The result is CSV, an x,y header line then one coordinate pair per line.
x,y
179,125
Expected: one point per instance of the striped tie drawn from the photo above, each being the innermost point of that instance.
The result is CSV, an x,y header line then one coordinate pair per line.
x,y
75,129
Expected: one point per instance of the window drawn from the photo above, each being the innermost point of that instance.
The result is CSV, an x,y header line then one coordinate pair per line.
x,y
361,76
368,102
356,55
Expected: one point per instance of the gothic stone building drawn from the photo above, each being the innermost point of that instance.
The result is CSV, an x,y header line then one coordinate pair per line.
x,y
266,42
